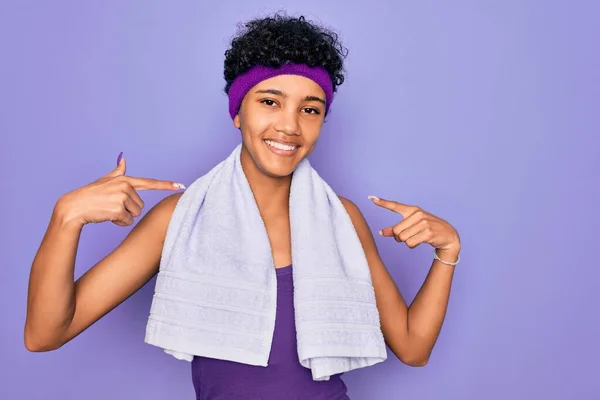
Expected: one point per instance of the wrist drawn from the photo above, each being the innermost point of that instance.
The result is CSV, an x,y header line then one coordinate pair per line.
x,y
448,254
452,248
65,215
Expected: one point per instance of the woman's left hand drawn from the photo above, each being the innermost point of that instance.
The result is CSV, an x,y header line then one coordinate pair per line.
x,y
418,226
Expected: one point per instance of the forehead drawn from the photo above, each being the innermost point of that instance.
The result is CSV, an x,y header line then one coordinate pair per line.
x,y
291,85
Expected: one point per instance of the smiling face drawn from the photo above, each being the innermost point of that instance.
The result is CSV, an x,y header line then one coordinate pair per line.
x,y
280,119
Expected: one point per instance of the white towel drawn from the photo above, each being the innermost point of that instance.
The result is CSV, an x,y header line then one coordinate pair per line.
x,y
216,289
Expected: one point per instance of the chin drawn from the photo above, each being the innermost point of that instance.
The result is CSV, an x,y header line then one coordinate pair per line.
x,y
276,170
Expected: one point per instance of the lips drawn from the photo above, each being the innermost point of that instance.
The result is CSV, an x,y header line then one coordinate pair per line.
x,y
282,149
283,142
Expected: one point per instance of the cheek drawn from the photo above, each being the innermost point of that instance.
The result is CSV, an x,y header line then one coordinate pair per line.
x,y
311,130
255,123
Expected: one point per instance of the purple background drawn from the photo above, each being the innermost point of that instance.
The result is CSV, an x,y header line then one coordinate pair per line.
x,y
484,113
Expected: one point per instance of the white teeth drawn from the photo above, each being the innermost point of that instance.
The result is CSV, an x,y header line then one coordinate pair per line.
x,y
280,146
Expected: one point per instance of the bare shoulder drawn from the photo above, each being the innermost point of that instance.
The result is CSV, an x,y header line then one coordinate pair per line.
x,y
378,269
151,229
363,230
360,224
171,200
166,206
163,210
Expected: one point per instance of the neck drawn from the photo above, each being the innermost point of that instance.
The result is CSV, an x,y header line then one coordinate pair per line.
x,y
270,192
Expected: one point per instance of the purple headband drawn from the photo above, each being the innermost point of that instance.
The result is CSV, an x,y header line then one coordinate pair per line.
x,y
246,81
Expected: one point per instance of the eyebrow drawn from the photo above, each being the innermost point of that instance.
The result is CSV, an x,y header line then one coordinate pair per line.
x,y
282,94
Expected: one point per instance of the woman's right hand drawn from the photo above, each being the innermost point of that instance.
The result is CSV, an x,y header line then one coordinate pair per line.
x,y
112,197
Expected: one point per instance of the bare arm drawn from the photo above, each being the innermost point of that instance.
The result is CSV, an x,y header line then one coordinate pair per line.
x,y
427,311
410,332
58,309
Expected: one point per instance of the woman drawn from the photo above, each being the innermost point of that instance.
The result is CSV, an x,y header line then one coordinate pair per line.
x,y
280,120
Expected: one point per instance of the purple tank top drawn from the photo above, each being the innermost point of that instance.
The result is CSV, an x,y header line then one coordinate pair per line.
x,y
283,378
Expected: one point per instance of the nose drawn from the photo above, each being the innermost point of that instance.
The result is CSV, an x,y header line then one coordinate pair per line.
x,y
287,123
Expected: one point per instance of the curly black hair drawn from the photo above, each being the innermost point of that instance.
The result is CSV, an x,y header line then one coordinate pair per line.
x,y
280,39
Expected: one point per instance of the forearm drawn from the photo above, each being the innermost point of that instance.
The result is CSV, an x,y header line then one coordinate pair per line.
x,y
50,302
427,311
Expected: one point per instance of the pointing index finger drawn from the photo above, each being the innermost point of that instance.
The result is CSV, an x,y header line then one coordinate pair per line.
x,y
153,184
400,208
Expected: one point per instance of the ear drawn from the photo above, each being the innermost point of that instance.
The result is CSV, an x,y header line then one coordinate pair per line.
x,y
236,122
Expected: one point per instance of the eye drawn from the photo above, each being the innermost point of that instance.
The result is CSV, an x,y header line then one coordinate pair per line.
x,y
268,102
310,110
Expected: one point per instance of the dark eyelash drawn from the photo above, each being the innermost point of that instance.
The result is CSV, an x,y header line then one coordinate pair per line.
x,y
271,100
317,112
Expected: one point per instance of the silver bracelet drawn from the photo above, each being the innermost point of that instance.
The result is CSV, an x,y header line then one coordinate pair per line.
x,y
435,256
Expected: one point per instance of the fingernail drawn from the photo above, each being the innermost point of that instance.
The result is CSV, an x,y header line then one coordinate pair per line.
x,y
381,232
119,158
371,197
179,185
